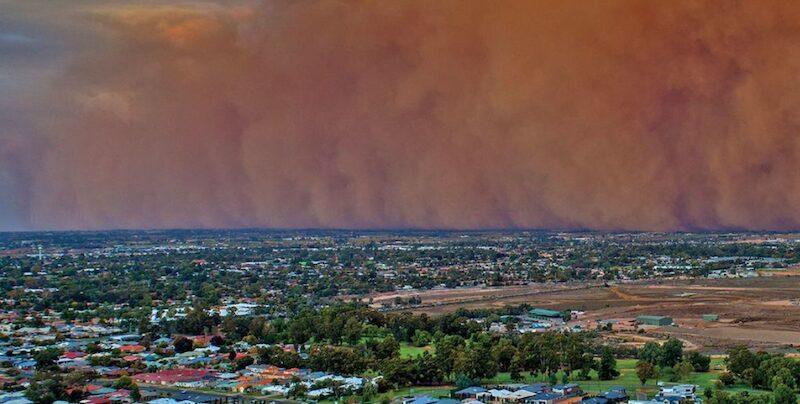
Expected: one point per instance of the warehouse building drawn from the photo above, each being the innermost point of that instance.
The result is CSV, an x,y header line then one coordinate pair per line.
x,y
654,320
544,314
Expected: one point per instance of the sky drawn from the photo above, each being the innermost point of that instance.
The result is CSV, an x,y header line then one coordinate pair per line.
x,y
451,114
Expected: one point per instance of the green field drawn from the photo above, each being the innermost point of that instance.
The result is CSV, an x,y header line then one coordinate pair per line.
x,y
406,350
628,379
435,391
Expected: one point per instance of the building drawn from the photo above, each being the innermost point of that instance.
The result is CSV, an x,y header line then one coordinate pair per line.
x,y
545,314
614,395
544,398
569,389
654,320
677,393
470,392
174,376
594,400
710,318
135,348
537,388
200,398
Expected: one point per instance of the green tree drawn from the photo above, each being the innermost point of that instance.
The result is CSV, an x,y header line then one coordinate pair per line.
x,y
135,394
343,360
783,377
124,382
387,348
682,370
421,338
671,352
607,370
46,359
298,390
447,348
740,359
503,353
369,391
700,362
427,371
645,371
182,344
651,353
398,371
751,376
217,341
352,331
463,381
552,378
301,327
479,361
516,368
46,388
727,378
708,392
244,362
588,364
783,394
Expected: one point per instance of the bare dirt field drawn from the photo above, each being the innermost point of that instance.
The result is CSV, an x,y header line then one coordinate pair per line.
x,y
439,301
761,312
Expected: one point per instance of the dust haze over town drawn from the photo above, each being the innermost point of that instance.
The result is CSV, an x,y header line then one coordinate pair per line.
x,y
619,115
399,202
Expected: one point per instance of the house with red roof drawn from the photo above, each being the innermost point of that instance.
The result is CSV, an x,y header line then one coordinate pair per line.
x,y
131,348
73,355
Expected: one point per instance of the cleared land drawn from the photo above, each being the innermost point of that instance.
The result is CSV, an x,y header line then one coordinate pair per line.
x,y
437,301
761,312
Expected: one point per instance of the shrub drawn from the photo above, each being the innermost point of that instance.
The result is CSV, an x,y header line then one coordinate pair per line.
x,y
727,378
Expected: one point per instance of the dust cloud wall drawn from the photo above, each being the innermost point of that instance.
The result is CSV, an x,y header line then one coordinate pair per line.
x,y
608,115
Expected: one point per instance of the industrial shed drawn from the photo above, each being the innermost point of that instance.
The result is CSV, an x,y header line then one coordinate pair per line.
x,y
544,313
654,320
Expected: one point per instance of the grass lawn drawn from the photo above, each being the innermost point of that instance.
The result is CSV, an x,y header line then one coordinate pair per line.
x,y
434,391
407,350
626,379
629,380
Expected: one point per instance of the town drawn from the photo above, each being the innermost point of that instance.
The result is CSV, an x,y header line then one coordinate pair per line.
x,y
410,317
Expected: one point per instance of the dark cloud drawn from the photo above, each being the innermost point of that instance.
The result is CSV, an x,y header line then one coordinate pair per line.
x,y
449,114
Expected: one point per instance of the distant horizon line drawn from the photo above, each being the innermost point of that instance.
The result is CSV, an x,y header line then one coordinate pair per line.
x,y
402,230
